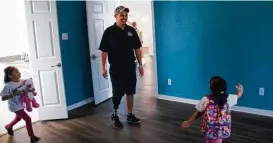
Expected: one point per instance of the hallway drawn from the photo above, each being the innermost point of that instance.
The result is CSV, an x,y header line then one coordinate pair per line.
x,y
160,123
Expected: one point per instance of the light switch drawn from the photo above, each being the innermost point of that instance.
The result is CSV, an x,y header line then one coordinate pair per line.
x,y
64,36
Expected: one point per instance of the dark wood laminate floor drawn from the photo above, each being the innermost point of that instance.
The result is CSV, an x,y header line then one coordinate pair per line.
x,y
160,123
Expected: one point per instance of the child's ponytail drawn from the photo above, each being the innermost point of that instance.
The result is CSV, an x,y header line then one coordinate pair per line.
x,y
219,91
8,70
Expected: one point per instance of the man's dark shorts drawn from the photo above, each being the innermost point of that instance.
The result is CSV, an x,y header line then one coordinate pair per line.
x,y
123,80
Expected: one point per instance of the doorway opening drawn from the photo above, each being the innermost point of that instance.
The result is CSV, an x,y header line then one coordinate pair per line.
x,y
29,30
141,18
100,15
14,51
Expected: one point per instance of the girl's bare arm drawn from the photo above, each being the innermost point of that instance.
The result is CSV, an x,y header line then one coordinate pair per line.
x,y
240,90
195,116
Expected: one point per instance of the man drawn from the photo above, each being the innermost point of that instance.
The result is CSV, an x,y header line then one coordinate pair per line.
x,y
120,43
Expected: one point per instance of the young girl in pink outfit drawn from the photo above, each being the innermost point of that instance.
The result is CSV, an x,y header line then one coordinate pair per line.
x,y
12,82
215,109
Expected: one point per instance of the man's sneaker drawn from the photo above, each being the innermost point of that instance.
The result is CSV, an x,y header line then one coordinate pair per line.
x,y
116,121
34,139
131,118
9,130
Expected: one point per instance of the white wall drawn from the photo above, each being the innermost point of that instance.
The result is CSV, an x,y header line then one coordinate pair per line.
x,y
13,34
141,13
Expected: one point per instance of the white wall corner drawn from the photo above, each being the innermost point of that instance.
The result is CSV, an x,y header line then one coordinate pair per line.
x,y
255,111
79,104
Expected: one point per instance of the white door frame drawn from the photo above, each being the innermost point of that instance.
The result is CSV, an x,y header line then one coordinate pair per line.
x,y
154,49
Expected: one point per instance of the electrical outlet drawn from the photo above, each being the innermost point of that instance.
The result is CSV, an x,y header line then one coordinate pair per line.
x,y
261,91
64,36
169,81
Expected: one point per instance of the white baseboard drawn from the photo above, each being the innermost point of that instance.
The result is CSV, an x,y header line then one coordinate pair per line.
x,y
177,99
79,104
255,111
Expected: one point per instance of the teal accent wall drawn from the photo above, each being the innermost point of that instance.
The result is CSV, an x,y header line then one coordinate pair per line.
x,y
197,40
75,51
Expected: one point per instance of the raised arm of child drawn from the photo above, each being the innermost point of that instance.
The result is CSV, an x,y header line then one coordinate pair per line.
x,y
240,90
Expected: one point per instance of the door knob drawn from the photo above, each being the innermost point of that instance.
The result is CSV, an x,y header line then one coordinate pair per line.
x,y
58,65
93,57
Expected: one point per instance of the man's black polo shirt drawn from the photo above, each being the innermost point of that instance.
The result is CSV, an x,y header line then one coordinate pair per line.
x,y
120,45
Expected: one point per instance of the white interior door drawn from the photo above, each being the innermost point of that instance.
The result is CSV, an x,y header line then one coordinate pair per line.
x,y
45,58
100,15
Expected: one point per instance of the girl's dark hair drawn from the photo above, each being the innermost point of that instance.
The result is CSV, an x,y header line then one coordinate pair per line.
x,y
8,71
218,87
214,78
